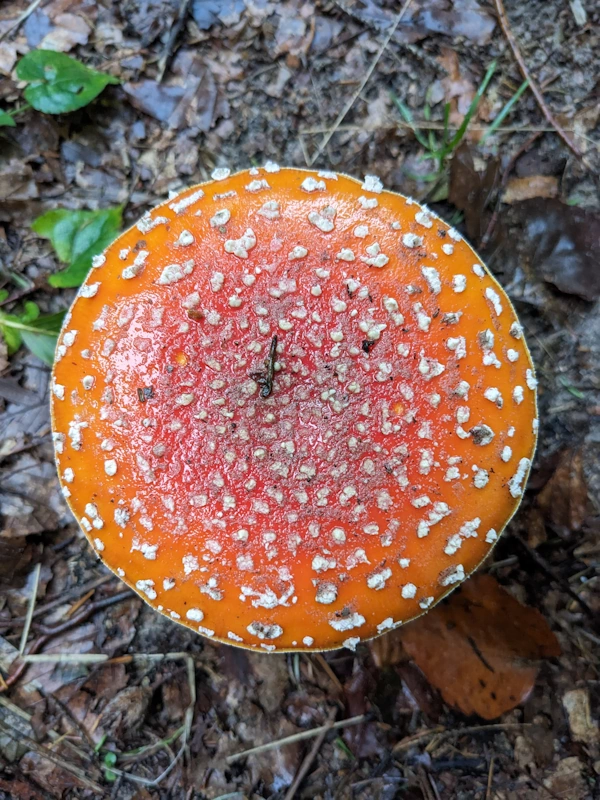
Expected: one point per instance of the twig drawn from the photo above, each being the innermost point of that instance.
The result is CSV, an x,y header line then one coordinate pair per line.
x,y
320,660
28,12
532,85
165,58
49,632
490,781
443,732
553,575
72,593
363,83
503,181
296,737
30,608
310,757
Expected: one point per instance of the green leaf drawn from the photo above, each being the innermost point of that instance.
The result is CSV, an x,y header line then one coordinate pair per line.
x,y
42,345
6,120
59,83
38,333
11,325
77,236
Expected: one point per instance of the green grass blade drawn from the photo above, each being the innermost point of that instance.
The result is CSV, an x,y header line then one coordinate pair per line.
x,y
457,138
408,118
505,111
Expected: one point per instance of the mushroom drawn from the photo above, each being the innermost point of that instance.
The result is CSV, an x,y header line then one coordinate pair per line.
x,y
292,410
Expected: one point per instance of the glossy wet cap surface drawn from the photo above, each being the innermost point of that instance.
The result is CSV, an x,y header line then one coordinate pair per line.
x,y
306,491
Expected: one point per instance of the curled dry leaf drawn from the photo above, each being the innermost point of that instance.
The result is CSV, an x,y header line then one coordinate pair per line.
x,y
564,499
476,647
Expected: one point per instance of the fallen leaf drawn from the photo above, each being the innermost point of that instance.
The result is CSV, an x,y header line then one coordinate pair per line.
x,y
456,18
146,20
518,189
188,98
124,714
451,18
361,739
567,780
562,243
8,56
564,499
17,181
207,13
457,89
475,648
71,30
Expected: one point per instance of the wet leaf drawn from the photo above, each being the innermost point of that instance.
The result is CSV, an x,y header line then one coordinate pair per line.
x,y
77,236
477,648
564,499
59,83
518,189
562,244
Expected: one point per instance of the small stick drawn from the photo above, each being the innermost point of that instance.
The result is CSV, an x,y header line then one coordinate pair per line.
x,y
310,757
175,31
30,608
488,793
363,83
503,181
27,13
49,632
532,85
297,737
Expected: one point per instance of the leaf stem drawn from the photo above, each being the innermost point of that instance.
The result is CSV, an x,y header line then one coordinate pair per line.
x,y
9,323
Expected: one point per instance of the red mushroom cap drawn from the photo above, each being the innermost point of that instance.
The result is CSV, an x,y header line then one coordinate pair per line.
x,y
291,410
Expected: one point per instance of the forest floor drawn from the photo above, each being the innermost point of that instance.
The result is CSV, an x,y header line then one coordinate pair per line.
x,y
122,703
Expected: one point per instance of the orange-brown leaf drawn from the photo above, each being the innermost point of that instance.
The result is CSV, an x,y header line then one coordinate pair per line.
x,y
479,648
519,189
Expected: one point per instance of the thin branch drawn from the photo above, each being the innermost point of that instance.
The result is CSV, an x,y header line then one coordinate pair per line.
x,y
30,608
363,83
27,13
310,757
532,85
167,53
296,737
503,182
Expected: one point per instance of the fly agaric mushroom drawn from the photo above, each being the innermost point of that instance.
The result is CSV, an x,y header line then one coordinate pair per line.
x,y
291,410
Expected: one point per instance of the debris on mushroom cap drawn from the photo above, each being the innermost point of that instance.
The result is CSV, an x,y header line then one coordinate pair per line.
x,y
292,407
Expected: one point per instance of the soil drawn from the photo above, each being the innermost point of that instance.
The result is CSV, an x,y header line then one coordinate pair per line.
x,y
133,706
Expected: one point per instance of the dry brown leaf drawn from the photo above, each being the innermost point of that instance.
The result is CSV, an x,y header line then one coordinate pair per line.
x,y
564,499
518,189
475,648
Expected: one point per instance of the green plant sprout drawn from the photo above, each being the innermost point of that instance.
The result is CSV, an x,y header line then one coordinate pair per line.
x,y
435,149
